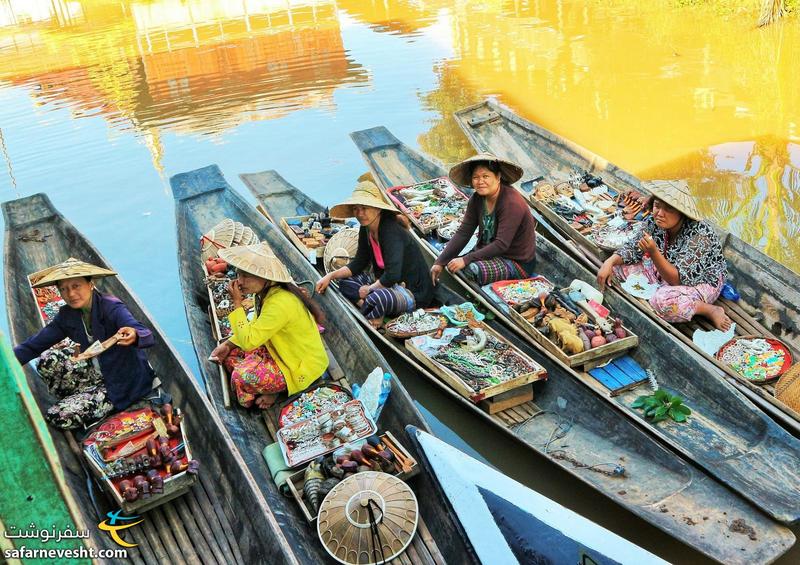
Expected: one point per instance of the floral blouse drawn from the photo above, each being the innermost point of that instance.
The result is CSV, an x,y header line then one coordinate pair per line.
x,y
696,251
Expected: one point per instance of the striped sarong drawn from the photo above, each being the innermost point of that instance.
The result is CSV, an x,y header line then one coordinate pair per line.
x,y
487,271
381,302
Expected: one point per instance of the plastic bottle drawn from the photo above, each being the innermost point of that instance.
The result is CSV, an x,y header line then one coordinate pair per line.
x,y
647,264
374,392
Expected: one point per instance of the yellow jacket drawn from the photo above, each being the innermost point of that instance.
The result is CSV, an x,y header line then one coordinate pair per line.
x,y
290,333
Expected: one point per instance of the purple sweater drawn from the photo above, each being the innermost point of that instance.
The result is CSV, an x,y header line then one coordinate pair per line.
x,y
515,235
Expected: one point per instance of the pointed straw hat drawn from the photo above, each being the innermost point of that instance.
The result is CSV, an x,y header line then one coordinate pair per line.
x,y
69,269
238,231
218,237
460,174
675,193
344,520
258,260
340,249
364,194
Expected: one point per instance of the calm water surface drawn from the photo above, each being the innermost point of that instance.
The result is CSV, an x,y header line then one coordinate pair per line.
x,y
101,102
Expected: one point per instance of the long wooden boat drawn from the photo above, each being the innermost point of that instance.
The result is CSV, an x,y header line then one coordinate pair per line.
x,y
202,199
655,478
206,523
735,449
770,293
507,521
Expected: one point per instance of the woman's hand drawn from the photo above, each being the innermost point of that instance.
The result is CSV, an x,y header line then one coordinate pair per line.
x,y
436,271
363,291
605,274
220,352
648,245
235,290
127,336
456,265
322,284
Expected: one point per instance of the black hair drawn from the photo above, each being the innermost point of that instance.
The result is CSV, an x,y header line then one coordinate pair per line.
x,y
301,293
493,166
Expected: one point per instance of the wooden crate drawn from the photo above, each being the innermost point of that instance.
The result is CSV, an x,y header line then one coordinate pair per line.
x,y
174,486
509,399
593,357
312,254
296,480
455,382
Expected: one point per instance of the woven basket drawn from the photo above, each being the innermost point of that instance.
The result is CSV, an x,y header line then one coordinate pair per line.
x,y
340,249
787,389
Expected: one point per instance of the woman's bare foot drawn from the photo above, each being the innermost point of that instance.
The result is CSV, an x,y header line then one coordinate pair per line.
x,y
376,322
265,401
716,314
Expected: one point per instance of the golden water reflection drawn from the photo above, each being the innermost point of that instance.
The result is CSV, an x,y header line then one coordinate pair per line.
x,y
658,89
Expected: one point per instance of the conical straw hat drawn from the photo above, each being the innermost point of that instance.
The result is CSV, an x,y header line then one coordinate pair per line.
x,y
247,236
343,523
258,260
68,269
675,193
238,231
364,194
340,249
218,237
460,174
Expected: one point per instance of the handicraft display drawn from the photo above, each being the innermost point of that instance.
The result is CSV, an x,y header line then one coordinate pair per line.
x,y
431,205
311,233
415,323
462,314
140,454
307,439
593,212
312,403
756,359
570,325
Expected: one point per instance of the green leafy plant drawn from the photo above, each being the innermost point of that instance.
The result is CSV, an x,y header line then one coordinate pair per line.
x,y
662,405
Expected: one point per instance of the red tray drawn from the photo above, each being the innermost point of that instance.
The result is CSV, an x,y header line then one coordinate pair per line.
x,y
775,344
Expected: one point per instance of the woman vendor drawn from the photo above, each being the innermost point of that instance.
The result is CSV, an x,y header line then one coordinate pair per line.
x,y
400,283
281,348
506,247
678,251
113,380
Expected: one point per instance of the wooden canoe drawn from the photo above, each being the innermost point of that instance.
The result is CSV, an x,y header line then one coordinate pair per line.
x,y
507,521
656,476
770,293
206,523
728,436
203,198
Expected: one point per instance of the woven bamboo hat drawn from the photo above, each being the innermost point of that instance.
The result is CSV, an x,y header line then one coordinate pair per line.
x,y
68,269
340,249
364,194
675,193
218,237
460,174
344,521
258,260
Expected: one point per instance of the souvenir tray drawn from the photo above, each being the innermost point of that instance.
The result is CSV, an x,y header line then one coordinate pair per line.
x,y
756,359
419,322
49,302
122,428
611,239
516,292
312,403
461,314
308,439
311,233
431,204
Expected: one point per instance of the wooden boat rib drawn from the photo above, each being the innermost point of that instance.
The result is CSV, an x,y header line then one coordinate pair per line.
x,y
770,293
655,476
508,521
203,198
726,435
206,524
